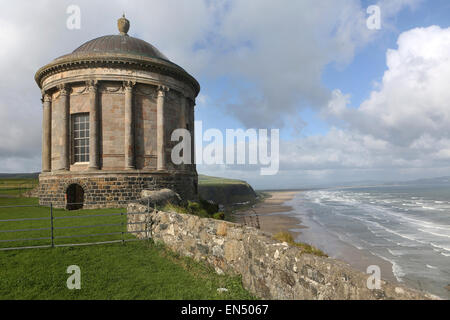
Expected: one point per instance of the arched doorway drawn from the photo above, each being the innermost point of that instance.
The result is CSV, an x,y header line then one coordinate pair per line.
x,y
75,197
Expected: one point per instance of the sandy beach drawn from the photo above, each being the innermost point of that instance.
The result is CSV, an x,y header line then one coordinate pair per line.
x,y
272,215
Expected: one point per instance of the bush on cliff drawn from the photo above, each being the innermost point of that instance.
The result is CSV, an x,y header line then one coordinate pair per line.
x,y
306,248
203,209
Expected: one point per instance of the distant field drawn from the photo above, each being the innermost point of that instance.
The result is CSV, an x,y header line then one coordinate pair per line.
x,y
16,186
134,270
207,180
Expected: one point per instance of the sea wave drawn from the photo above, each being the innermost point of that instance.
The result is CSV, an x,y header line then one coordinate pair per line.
x,y
396,269
440,247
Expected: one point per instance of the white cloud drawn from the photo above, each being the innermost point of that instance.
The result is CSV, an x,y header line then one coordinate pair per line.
x,y
401,128
413,99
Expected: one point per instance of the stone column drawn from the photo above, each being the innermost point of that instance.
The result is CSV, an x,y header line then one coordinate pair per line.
x,y
191,117
160,139
46,133
94,163
64,104
129,126
183,125
183,108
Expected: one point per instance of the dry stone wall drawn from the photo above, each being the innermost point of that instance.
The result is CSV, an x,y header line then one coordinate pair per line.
x,y
269,269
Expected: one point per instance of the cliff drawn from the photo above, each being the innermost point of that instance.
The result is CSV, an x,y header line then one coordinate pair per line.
x,y
225,191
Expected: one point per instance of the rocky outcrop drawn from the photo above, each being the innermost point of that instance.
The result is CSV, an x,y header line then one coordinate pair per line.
x,y
160,197
269,269
227,193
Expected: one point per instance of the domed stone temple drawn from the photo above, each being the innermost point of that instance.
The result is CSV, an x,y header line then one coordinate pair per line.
x,y
109,110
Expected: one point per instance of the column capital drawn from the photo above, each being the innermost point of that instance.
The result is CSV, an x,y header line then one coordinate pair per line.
x,y
46,97
162,91
128,85
64,89
92,85
192,101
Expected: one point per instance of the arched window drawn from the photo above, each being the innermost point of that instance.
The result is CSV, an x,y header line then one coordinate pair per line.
x,y
80,137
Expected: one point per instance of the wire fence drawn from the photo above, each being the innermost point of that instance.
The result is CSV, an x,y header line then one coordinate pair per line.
x,y
52,236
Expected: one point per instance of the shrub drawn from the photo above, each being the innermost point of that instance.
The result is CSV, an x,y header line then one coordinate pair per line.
x,y
210,207
306,248
202,209
219,216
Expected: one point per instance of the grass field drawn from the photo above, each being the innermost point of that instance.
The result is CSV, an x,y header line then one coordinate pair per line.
x,y
134,270
137,270
207,180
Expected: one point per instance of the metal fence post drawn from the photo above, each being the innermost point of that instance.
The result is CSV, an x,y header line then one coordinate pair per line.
x,y
126,229
51,222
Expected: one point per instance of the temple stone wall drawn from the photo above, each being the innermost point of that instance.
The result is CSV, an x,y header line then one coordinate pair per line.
x,y
111,190
269,269
145,102
111,105
112,127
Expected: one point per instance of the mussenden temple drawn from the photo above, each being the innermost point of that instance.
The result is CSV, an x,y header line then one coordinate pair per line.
x,y
109,109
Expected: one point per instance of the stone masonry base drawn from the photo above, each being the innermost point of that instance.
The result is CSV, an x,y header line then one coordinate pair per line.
x,y
112,189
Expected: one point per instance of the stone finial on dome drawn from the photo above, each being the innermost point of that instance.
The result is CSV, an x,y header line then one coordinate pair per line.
x,y
124,25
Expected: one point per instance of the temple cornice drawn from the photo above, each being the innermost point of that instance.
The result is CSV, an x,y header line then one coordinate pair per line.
x,y
67,63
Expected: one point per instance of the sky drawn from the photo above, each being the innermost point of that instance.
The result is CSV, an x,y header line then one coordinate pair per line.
x,y
351,103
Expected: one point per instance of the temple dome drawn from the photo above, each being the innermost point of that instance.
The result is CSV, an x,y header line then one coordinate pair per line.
x,y
120,44
119,51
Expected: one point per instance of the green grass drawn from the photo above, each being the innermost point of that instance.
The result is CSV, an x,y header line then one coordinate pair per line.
x,y
306,248
44,212
135,270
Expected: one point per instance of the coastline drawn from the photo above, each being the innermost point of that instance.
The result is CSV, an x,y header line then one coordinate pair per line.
x,y
274,214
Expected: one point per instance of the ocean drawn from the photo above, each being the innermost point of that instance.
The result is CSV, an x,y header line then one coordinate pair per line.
x,y
407,226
